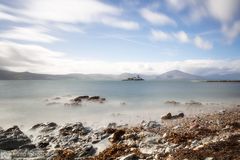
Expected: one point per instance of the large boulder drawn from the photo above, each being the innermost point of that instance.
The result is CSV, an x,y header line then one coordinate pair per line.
x,y
13,138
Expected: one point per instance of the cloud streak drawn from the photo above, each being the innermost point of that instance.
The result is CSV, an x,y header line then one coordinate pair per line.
x,y
34,58
35,34
181,37
156,18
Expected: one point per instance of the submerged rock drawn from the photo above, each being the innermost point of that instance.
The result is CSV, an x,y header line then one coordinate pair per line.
x,y
172,102
170,116
192,102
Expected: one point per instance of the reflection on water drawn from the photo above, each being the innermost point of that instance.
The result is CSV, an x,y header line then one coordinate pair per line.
x,y
24,102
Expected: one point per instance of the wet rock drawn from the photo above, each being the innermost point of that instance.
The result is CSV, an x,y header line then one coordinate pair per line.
x,y
80,98
170,116
168,150
94,98
78,128
56,98
167,116
112,125
45,127
153,124
117,135
194,103
131,156
13,138
123,103
39,125
49,127
62,154
28,146
180,115
43,144
87,150
52,103
172,102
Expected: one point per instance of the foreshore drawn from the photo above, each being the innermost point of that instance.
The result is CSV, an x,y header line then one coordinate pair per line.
x,y
209,136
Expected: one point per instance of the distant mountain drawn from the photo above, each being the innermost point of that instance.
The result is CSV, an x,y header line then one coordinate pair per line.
x,y
9,75
178,75
171,75
232,76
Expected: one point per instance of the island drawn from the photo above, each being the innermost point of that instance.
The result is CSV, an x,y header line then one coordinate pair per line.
x,y
137,78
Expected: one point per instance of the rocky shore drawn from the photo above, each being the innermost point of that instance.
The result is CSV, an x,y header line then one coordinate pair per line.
x,y
172,137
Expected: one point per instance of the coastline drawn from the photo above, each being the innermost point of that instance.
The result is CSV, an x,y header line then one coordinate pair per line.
x,y
212,136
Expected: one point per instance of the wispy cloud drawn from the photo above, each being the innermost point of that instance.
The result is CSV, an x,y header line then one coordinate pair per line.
x,y
35,34
156,18
70,11
224,11
34,58
181,37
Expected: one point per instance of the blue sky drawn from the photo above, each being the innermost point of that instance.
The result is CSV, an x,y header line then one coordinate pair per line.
x,y
112,37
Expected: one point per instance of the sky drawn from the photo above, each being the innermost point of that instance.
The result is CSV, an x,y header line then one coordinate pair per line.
x,y
119,36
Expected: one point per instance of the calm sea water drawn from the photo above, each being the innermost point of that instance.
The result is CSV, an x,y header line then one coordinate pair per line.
x,y
24,102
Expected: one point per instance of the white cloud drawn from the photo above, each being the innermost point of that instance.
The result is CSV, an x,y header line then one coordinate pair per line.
x,y
223,10
34,58
70,11
129,25
69,28
202,44
182,37
156,18
160,35
35,34
231,32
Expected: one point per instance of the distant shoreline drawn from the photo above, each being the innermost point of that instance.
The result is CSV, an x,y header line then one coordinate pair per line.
x,y
222,81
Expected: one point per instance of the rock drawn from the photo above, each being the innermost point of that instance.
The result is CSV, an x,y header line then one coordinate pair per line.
x,y
167,116
180,115
123,103
168,150
43,144
78,128
80,98
112,125
87,150
172,102
49,127
164,135
153,124
52,103
36,126
131,156
56,98
209,158
194,126
94,98
28,146
170,116
62,154
193,103
117,135
13,138
45,127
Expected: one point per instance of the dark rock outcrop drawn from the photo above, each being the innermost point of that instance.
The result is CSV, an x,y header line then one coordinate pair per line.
x,y
13,138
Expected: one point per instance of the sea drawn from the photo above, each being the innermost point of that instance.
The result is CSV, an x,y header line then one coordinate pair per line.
x,y
28,102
